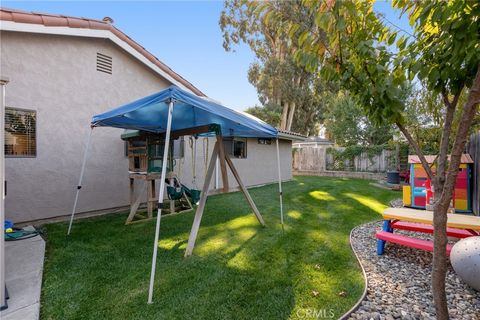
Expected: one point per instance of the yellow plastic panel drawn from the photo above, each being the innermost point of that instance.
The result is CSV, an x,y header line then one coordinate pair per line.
x,y
461,204
407,196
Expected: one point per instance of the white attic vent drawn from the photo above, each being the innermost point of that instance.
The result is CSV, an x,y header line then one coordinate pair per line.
x,y
104,63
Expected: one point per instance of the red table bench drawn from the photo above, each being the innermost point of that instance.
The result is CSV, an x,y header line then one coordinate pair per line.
x,y
406,241
459,226
426,228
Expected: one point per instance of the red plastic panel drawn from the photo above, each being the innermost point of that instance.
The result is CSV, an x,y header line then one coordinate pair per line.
x,y
409,242
426,228
462,174
419,201
419,182
461,184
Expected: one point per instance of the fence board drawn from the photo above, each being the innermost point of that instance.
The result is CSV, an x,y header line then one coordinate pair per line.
x,y
316,159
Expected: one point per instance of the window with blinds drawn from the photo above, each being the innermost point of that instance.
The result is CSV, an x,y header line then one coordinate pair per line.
x,y
20,133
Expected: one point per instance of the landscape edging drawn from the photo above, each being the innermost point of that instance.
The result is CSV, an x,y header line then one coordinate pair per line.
x,y
365,290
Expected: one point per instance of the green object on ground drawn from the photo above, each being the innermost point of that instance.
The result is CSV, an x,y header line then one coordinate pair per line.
x,y
239,270
20,235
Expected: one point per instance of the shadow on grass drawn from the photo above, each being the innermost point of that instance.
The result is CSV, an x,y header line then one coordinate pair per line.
x,y
239,269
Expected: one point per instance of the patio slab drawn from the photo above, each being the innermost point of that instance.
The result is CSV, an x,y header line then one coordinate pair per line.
x,y
23,277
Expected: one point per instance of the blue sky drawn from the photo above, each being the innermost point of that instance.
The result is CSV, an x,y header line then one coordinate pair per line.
x,y
183,34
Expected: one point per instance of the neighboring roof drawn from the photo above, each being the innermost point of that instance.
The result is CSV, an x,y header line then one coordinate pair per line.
x,y
466,158
290,135
314,141
150,114
67,25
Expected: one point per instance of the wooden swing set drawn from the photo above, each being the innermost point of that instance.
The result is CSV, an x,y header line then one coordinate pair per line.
x,y
160,107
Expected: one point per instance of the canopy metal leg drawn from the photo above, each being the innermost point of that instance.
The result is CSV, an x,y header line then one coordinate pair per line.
x,y
3,296
160,201
280,183
79,185
201,204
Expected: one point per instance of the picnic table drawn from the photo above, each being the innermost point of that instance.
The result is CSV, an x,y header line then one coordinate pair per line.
x,y
458,226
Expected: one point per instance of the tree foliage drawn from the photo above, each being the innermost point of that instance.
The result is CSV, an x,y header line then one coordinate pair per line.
x,y
268,113
349,43
424,118
281,83
347,124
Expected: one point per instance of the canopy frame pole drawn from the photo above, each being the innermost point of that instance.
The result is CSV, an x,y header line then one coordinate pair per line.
x,y
3,289
280,193
80,179
244,190
203,200
160,200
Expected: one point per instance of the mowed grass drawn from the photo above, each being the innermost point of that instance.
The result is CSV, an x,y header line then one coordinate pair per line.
x,y
239,270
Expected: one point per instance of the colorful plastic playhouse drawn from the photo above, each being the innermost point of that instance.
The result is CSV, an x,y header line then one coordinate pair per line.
x,y
419,193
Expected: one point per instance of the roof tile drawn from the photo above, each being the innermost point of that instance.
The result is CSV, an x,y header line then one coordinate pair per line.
x,y
6,16
77,23
51,20
26,18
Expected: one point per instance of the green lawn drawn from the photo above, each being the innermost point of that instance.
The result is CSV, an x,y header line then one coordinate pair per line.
x,y
239,270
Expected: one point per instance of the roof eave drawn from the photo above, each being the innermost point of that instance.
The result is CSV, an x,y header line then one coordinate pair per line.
x,y
96,29
292,137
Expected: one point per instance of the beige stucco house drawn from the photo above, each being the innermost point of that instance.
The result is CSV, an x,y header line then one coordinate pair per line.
x,y
62,71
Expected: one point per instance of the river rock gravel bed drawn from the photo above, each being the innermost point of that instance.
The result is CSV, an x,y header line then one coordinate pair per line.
x,y
399,281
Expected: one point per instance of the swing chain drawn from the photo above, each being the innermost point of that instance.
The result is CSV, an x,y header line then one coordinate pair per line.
x,y
193,148
205,155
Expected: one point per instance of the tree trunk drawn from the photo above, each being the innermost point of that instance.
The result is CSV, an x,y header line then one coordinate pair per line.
x,y
439,271
439,268
283,124
290,116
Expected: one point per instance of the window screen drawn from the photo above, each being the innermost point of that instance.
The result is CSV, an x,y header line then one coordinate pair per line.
x,y
240,148
236,147
20,133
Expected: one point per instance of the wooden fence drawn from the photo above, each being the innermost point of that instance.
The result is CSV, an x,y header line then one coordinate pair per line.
x,y
474,150
309,159
364,162
317,159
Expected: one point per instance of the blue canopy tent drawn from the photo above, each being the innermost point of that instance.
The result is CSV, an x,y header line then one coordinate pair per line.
x,y
174,110
151,114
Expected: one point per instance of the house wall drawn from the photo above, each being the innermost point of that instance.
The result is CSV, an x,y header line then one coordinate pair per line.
x,y
260,166
56,76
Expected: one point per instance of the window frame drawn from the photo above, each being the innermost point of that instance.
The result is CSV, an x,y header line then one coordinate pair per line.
x,y
229,144
36,134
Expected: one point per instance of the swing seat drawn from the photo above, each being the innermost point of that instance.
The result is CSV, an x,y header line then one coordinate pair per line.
x,y
193,194
174,193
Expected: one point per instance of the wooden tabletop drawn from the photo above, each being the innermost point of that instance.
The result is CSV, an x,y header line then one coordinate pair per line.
x,y
455,220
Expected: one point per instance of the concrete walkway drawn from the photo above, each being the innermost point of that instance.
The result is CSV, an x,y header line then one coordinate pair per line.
x,y
23,277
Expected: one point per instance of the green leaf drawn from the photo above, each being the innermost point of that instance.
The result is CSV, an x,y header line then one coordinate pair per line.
x,y
391,38
434,75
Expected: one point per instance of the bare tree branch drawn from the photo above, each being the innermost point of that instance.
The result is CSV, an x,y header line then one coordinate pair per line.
x,y
419,152
447,129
